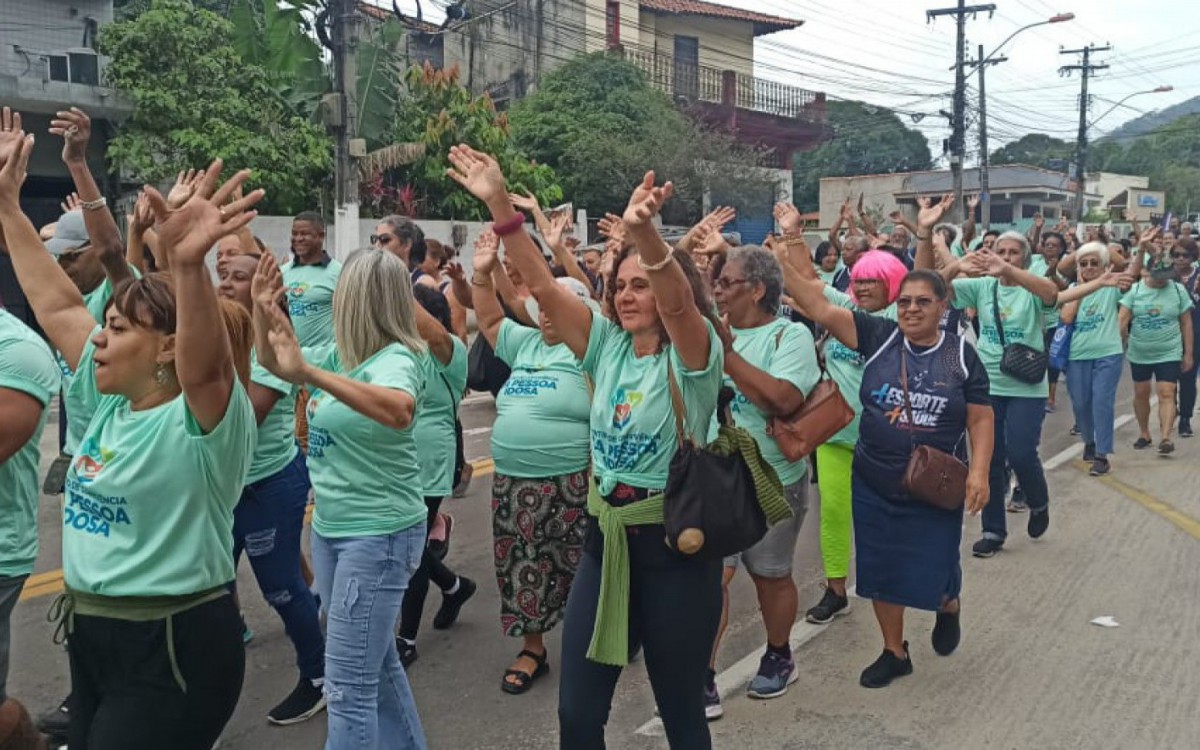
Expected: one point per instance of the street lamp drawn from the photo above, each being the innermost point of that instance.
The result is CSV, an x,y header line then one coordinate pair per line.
x,y
985,200
1159,90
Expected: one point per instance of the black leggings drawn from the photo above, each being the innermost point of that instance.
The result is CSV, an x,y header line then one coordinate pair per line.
x,y
460,456
674,608
431,569
125,692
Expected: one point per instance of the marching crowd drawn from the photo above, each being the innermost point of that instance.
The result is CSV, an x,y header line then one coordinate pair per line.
x,y
693,391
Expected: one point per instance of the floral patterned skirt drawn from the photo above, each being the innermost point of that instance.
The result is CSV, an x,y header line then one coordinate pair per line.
x,y
537,526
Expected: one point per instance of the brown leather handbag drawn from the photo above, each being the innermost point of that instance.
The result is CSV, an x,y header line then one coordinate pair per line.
x,y
822,415
932,476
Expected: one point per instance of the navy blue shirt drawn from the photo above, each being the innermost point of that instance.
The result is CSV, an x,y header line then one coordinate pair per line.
x,y
942,380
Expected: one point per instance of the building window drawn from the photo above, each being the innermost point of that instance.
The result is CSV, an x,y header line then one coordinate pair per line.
x,y
612,23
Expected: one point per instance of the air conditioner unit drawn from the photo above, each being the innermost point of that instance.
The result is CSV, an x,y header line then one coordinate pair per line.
x,y
84,66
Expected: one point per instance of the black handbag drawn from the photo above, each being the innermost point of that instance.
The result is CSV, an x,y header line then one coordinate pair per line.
x,y
485,371
718,500
1018,361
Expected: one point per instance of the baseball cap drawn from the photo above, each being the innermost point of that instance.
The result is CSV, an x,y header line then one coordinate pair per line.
x,y
576,287
69,233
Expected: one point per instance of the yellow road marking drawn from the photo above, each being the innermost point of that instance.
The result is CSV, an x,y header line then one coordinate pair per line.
x,y
51,582
1182,520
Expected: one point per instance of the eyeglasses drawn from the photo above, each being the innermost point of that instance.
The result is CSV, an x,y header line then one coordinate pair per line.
x,y
1181,255
1089,264
382,239
921,303
723,283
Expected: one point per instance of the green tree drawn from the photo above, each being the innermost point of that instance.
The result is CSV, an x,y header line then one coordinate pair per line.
x,y
599,123
1035,149
866,140
438,113
196,99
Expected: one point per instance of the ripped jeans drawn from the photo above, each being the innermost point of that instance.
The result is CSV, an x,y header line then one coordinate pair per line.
x,y
362,582
267,524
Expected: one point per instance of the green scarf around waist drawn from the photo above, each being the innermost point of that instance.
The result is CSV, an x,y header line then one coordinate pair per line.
x,y
610,636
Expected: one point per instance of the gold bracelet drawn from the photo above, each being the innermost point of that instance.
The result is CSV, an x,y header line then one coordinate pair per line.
x,y
656,266
477,283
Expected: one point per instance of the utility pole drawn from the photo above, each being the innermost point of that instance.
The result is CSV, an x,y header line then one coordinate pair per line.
x,y
344,27
985,198
958,120
1086,67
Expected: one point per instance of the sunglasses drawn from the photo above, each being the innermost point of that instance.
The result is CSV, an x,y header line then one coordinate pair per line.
x,y
381,239
1089,264
921,303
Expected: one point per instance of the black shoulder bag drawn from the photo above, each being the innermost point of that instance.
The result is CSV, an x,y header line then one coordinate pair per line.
x,y
1018,361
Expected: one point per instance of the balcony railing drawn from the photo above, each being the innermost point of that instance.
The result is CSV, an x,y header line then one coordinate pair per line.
x,y
700,83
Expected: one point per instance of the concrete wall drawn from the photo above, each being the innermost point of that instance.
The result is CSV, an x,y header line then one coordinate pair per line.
x,y
725,44
1109,185
1142,213
877,190
44,26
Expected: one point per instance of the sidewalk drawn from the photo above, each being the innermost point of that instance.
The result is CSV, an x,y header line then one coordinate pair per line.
x,y
1032,672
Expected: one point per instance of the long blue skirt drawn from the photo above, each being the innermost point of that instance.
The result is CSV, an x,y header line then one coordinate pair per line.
x,y
907,552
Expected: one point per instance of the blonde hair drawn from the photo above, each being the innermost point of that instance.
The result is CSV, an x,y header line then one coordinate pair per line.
x,y
241,337
373,306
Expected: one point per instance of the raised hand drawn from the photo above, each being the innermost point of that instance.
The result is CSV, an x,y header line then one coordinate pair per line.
x,y
455,271
973,201
990,263
75,127
485,257
611,227
1125,282
931,213
184,187
560,224
189,231
478,173
15,148
896,217
789,219
142,216
1150,235
282,356
1039,221
646,201
523,202
719,217
847,211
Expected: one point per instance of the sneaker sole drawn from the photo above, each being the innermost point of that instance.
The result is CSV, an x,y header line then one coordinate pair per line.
x,y
316,709
984,555
712,713
840,613
791,680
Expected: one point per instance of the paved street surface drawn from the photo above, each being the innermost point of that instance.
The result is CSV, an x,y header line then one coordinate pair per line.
x,y
1032,672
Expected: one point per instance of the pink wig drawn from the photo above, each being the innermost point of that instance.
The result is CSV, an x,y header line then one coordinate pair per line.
x,y
879,265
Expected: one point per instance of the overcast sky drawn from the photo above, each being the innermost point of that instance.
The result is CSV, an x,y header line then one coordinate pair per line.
x,y
883,52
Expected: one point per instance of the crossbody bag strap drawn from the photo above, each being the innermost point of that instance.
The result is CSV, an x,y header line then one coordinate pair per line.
x,y
904,386
996,314
677,405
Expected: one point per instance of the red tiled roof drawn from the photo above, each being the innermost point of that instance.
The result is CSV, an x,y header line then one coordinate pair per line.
x,y
763,23
376,13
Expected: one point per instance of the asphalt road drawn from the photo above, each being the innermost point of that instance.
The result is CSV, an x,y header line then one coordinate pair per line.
x,y
1031,673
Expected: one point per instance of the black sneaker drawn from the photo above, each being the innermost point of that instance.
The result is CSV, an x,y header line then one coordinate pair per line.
x,y
1039,521
947,632
831,605
986,547
306,701
1074,429
407,651
56,723
1100,467
885,669
452,603
1089,451
1185,428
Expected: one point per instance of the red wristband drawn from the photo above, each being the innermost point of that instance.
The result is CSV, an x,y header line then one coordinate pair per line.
x,y
509,226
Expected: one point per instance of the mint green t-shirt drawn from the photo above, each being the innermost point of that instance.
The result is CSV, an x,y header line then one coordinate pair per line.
x,y
149,497
1097,331
633,421
434,424
366,477
1023,315
1154,334
541,428
310,300
845,366
1038,267
791,357
26,366
277,434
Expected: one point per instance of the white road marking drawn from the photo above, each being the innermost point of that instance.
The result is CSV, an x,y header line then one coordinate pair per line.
x,y
739,674
476,431
1076,449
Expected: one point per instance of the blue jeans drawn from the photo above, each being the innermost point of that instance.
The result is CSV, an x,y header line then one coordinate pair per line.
x,y
1093,387
1018,432
362,582
267,524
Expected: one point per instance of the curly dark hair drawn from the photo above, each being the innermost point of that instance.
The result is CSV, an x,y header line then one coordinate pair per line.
x,y
700,291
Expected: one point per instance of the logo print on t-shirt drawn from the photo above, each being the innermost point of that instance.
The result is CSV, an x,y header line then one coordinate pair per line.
x,y
297,288
91,460
623,403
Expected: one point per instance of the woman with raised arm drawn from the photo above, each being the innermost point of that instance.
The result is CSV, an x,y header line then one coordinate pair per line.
x,y
540,443
368,528
1094,361
1011,304
659,341
920,386
146,602
268,521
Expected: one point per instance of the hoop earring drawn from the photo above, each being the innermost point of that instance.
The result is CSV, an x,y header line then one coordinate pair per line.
x,y
160,374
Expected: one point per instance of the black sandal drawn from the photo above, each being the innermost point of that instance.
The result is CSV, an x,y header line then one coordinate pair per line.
x,y
524,680
1142,443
